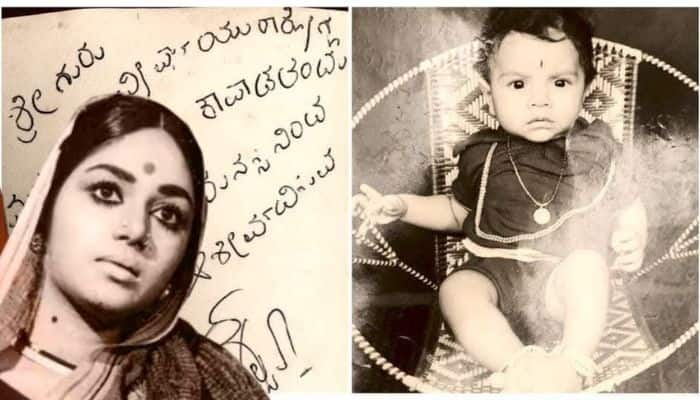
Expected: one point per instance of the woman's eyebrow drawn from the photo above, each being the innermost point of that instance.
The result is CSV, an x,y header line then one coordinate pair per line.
x,y
116,171
166,190
171,190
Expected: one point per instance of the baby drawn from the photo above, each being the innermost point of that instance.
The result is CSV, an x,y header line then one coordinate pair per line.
x,y
541,202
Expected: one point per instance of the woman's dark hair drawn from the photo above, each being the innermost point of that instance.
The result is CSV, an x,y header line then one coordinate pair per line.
x,y
115,116
537,22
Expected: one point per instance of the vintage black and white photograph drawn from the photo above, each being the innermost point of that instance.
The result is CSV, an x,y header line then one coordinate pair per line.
x,y
525,200
175,193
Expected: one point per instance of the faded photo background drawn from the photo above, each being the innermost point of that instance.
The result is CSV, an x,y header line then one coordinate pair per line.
x,y
391,152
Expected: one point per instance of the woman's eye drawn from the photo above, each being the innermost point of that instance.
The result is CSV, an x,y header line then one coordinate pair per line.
x,y
561,83
170,216
106,193
517,84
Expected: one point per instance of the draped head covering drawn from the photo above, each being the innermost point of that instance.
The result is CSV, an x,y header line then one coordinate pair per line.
x,y
162,358
3,225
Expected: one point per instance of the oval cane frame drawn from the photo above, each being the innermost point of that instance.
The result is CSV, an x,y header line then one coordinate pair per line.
x,y
679,249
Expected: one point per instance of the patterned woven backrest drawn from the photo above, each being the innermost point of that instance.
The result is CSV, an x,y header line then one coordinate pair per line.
x,y
457,109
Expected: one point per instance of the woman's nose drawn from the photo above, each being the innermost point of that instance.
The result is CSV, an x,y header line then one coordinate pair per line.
x,y
133,228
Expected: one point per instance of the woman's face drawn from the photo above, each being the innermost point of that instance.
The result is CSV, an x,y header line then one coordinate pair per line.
x,y
120,225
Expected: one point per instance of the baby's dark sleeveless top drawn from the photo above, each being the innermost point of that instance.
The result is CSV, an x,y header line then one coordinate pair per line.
x,y
501,213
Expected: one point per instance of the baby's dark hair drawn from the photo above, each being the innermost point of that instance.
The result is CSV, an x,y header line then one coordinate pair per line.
x,y
537,22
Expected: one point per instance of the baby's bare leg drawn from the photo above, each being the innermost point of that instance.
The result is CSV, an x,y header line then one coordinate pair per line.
x,y
468,301
577,295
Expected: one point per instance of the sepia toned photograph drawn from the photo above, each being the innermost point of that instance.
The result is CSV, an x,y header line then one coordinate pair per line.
x,y
525,200
175,188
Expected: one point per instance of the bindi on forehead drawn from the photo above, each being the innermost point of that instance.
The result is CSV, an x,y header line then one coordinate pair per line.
x,y
149,168
526,53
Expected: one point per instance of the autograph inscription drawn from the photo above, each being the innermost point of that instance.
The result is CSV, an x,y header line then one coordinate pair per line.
x,y
229,331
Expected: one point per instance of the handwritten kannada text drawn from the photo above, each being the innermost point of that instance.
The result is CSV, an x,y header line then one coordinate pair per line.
x,y
259,163
237,243
268,81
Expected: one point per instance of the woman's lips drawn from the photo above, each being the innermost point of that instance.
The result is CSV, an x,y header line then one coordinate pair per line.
x,y
121,265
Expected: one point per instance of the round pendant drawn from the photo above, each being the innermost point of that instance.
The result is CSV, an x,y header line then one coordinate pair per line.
x,y
541,216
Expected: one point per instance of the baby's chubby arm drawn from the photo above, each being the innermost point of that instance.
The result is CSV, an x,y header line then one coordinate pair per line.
x,y
438,212
629,237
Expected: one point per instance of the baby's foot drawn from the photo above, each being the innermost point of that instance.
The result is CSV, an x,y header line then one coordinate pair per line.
x,y
521,374
534,370
563,377
583,366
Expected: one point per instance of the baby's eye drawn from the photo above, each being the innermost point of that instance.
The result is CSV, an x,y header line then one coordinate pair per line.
x,y
170,216
106,192
562,83
517,84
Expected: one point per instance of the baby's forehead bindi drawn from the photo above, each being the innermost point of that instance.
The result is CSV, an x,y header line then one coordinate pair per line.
x,y
522,53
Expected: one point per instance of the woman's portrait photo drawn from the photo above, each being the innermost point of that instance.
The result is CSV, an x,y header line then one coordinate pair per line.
x,y
101,261
174,183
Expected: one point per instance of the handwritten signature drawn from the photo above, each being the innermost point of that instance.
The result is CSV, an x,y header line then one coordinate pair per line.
x,y
233,329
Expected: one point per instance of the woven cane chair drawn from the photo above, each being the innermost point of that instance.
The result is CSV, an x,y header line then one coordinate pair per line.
x,y
456,110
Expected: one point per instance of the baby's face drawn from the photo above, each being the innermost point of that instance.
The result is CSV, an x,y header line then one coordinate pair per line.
x,y
536,87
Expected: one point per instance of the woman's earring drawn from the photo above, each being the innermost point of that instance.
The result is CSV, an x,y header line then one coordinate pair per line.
x,y
165,293
37,244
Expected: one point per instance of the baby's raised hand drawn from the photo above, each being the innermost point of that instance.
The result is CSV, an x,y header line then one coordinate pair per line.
x,y
377,208
629,237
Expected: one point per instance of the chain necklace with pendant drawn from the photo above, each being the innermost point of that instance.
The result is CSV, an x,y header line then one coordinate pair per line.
x,y
541,215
